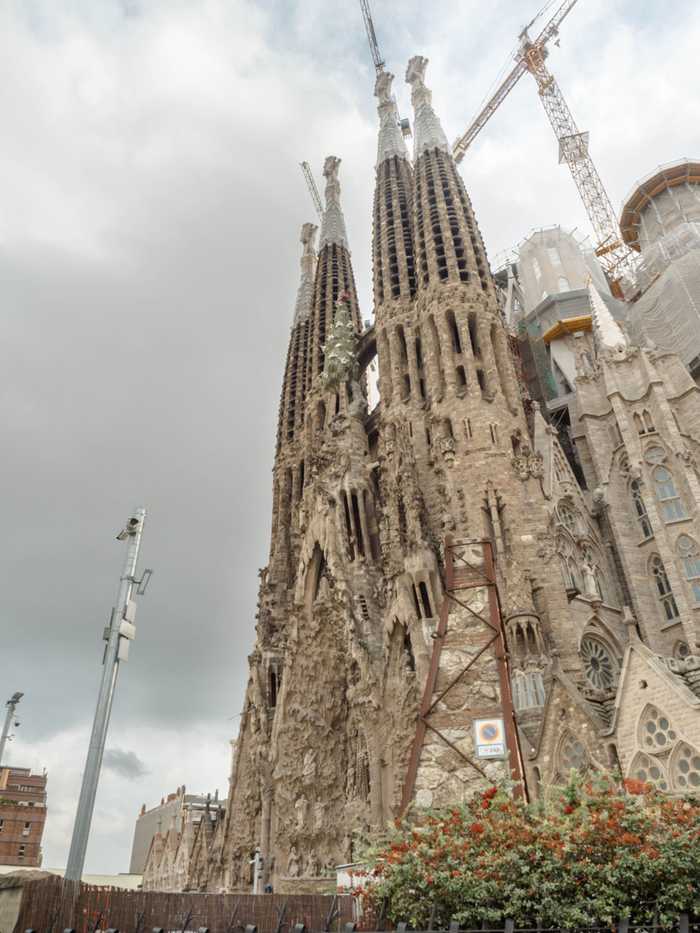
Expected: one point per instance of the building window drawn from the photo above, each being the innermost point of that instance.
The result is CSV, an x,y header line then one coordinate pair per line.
x,y
2,825
690,558
572,755
20,852
655,731
663,589
598,663
641,509
654,455
27,829
685,768
649,770
671,506
570,518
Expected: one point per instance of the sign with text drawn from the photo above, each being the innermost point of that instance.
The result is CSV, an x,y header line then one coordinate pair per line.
x,y
490,738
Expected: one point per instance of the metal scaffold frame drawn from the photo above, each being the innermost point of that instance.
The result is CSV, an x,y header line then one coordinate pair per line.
x,y
461,573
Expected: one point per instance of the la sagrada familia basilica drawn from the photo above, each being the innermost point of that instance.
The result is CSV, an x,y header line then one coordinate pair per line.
x,y
376,682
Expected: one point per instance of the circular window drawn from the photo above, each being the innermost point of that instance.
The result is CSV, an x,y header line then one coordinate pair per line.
x,y
650,771
598,663
687,769
657,733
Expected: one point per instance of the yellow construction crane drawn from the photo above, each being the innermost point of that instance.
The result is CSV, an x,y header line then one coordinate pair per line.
x,y
614,255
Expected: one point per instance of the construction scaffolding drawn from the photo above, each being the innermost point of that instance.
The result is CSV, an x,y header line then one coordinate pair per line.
x,y
468,565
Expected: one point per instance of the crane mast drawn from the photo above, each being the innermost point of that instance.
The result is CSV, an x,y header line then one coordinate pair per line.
x,y
614,255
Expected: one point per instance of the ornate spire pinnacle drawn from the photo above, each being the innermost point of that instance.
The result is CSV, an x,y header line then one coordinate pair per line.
x,y
427,131
391,141
340,359
333,223
608,332
305,293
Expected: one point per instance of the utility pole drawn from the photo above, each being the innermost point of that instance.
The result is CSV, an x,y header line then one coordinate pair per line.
x,y
11,706
118,634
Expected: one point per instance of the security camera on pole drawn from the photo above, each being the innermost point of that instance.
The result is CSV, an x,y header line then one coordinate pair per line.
x,y
118,635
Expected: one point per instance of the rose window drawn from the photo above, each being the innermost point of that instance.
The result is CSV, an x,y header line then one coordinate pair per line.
x,y
686,772
598,664
650,771
656,731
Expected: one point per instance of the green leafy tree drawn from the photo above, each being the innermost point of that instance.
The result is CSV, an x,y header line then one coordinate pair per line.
x,y
597,851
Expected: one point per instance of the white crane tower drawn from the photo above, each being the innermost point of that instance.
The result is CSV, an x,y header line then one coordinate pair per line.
x,y
614,255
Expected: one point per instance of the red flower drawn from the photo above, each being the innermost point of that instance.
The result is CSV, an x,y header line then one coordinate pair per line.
x,y
569,808
476,829
633,786
490,793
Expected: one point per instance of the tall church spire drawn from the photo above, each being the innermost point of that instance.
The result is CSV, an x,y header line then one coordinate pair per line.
x,y
391,141
608,332
427,130
308,265
392,240
448,243
333,223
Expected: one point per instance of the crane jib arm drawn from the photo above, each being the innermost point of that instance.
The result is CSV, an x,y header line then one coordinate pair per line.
x,y
487,111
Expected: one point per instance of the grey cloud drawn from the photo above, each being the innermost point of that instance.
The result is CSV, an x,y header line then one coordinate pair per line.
x,y
126,764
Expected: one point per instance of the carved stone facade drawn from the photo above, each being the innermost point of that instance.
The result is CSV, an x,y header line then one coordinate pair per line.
x,y
350,599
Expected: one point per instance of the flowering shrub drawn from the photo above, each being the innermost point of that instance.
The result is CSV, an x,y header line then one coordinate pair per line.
x,y
596,852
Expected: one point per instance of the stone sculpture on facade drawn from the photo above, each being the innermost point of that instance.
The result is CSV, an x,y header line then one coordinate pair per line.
x,y
599,583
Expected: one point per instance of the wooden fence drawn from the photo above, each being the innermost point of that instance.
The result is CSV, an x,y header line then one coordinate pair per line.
x,y
51,905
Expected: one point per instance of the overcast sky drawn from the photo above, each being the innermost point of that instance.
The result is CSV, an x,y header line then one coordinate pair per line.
x,y
150,206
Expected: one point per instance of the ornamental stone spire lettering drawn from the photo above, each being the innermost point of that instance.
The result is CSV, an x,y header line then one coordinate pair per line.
x,y
333,223
391,141
427,129
305,293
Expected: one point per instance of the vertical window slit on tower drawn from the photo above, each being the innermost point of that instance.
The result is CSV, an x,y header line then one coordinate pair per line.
x,y
348,524
301,479
454,331
438,353
425,600
403,527
358,525
474,334
461,377
480,379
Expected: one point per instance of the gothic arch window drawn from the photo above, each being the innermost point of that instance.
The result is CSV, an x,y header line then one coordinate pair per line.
x,y
655,732
663,589
599,663
690,558
684,768
568,517
640,509
528,690
672,507
649,770
569,565
648,423
654,455
572,755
